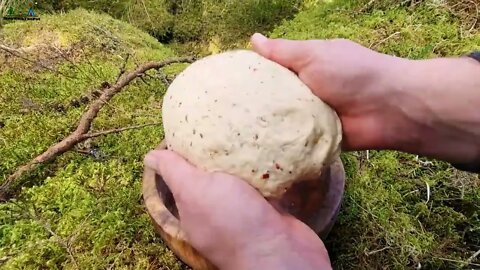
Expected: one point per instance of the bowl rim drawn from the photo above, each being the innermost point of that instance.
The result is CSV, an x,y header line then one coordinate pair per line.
x,y
164,218
154,203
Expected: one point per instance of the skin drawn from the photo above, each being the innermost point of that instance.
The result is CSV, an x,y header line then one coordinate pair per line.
x,y
426,107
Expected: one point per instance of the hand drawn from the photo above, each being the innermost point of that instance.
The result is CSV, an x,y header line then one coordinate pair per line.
x,y
386,102
231,224
343,74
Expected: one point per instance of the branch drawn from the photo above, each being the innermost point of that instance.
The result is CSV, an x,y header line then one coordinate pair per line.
x,y
116,130
85,122
122,69
87,118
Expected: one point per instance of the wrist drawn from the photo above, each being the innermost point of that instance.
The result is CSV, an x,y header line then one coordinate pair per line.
x,y
430,115
398,118
296,247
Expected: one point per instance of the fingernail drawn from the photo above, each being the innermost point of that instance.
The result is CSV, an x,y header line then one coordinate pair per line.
x,y
258,38
151,159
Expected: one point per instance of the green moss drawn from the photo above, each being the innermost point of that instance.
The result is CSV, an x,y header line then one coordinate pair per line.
x,y
387,221
79,210
76,26
187,22
78,35
425,31
104,222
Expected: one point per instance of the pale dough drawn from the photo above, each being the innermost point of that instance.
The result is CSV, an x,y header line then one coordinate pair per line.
x,y
242,114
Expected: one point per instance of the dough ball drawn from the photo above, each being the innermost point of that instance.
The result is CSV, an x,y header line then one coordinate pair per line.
x,y
240,113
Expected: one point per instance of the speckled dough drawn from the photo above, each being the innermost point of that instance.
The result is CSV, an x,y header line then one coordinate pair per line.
x,y
242,114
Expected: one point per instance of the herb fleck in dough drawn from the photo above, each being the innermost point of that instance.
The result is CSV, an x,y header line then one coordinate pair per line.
x,y
254,119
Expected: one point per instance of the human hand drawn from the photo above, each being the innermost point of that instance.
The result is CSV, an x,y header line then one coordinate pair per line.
x,y
426,107
231,224
345,75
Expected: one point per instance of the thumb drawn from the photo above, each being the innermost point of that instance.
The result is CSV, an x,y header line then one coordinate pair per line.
x,y
292,54
179,175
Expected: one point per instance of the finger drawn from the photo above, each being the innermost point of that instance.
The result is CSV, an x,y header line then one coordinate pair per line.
x,y
179,175
277,204
292,54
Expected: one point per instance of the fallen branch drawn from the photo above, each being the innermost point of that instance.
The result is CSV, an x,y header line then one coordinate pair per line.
x,y
81,132
116,130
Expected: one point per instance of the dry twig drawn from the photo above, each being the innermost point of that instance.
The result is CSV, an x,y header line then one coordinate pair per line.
x,y
457,261
471,258
67,245
91,65
369,253
122,69
81,132
375,45
117,130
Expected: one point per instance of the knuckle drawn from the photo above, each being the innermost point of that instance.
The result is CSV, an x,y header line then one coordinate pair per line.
x,y
342,42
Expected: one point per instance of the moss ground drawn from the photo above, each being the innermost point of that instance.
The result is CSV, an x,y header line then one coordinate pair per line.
x,y
86,213
78,210
387,221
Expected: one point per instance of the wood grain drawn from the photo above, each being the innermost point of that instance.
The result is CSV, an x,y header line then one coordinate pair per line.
x,y
316,203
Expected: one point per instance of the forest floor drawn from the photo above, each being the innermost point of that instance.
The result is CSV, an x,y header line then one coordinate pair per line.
x,y
84,209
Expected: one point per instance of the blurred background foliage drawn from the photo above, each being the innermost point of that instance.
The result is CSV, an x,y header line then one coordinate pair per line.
x,y
184,21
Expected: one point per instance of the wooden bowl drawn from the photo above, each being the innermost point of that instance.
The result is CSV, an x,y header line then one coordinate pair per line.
x,y
316,203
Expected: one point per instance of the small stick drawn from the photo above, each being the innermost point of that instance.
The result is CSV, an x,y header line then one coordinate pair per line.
x,y
122,69
469,260
81,132
375,45
117,130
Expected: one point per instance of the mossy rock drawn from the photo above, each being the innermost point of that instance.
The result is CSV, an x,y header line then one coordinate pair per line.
x,y
387,221
78,34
